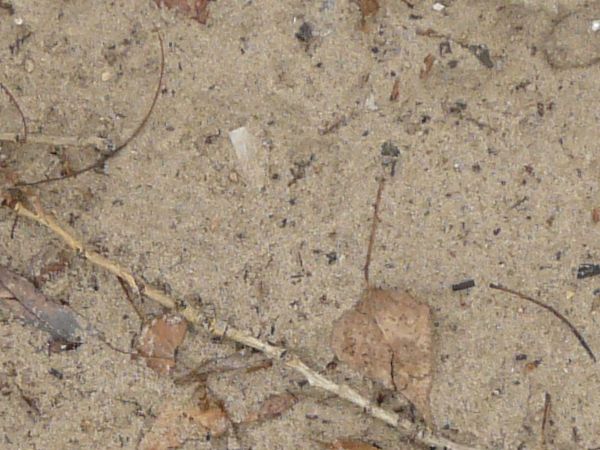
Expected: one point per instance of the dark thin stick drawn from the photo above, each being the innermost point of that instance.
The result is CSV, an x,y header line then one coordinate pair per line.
x,y
373,228
14,102
547,407
553,311
14,227
104,158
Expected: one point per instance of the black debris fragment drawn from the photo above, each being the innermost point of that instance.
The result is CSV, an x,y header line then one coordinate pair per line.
x,y
463,285
305,32
588,270
482,53
390,154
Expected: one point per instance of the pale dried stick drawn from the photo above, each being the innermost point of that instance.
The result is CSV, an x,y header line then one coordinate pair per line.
x,y
222,329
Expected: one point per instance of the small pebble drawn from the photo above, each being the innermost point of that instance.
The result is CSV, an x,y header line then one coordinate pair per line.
x,y
438,7
29,66
18,21
106,75
595,26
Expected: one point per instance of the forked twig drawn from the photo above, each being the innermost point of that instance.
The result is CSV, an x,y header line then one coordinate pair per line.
x,y
222,329
562,318
99,163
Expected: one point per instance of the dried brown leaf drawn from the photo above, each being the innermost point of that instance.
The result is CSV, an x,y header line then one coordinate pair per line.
x,y
177,423
20,297
368,7
196,9
274,406
387,336
350,444
159,341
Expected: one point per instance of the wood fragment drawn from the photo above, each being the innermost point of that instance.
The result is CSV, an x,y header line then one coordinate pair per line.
x,y
557,314
219,328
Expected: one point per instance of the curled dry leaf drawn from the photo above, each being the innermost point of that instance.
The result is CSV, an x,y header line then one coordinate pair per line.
x,y
20,297
387,336
274,406
350,444
177,423
196,9
159,341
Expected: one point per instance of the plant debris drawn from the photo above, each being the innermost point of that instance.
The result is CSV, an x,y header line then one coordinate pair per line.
x,y
387,336
20,297
159,341
368,7
562,318
348,444
272,407
177,423
427,66
102,160
198,10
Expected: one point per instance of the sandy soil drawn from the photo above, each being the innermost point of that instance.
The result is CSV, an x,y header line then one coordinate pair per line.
x,y
496,180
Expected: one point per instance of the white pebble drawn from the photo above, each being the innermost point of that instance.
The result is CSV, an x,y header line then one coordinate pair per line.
x,y
438,7
595,26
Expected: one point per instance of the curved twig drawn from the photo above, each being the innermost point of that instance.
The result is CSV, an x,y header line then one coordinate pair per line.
x,y
104,158
14,102
562,318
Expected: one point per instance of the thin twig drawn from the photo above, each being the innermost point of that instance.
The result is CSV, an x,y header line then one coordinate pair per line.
x,y
222,329
562,318
373,228
14,102
547,407
100,162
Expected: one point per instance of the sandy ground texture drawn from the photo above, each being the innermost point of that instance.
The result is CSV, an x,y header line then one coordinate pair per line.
x,y
495,117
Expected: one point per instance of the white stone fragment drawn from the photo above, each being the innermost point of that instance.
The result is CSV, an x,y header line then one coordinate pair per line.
x,y
251,157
